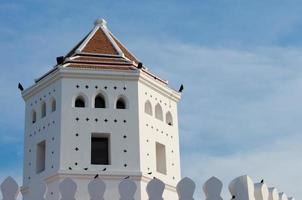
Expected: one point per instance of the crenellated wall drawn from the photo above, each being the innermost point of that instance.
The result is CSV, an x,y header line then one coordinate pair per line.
x,y
241,188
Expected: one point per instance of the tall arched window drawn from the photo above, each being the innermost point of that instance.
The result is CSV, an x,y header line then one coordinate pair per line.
x,y
79,102
53,105
158,112
99,101
148,108
43,109
121,103
169,119
33,116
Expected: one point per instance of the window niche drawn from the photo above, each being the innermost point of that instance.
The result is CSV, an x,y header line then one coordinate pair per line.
x,y
100,149
121,103
33,116
99,101
148,108
40,156
79,102
161,162
43,109
158,112
53,105
169,119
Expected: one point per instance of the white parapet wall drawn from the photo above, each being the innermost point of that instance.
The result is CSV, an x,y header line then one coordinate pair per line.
x,y
241,188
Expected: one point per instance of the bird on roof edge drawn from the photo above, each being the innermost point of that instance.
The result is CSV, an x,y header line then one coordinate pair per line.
x,y
181,88
20,87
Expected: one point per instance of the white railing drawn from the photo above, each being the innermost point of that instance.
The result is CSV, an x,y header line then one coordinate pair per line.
x,y
241,188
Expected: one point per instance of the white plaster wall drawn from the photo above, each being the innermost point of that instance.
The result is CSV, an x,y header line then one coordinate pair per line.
x,y
46,128
153,130
126,124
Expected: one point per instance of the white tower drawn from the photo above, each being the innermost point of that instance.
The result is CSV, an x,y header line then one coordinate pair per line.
x,y
99,111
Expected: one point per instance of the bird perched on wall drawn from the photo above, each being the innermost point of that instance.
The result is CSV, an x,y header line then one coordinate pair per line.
x,y
60,60
86,168
69,168
127,177
181,88
104,169
20,87
262,181
139,65
96,176
150,173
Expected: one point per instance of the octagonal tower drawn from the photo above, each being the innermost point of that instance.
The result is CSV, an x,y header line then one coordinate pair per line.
x,y
100,111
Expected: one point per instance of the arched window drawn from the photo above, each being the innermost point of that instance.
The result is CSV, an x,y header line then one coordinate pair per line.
x,y
99,101
53,105
169,119
33,116
43,109
121,103
158,112
148,108
79,102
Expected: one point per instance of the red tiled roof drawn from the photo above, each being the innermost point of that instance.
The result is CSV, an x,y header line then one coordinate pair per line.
x,y
99,43
101,50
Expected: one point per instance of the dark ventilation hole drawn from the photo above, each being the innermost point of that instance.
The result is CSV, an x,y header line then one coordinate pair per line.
x,y
124,88
105,87
77,119
77,134
99,101
115,87
76,149
75,163
125,121
77,86
96,119
79,102
125,151
115,120
86,86
125,165
87,119
96,87
125,136
106,120
120,104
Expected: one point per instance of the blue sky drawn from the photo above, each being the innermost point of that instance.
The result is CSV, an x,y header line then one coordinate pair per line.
x,y
240,62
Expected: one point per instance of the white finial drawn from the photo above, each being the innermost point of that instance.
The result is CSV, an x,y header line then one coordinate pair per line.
x,y
100,22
